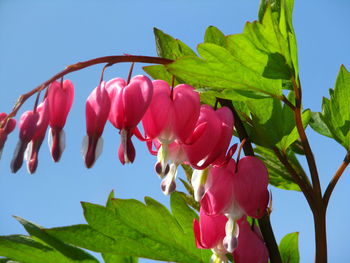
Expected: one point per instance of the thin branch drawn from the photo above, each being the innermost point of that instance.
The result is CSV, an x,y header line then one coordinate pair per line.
x,y
81,65
304,185
264,222
335,179
286,101
305,142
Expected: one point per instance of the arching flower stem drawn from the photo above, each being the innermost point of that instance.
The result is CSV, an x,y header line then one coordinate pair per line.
x,y
78,66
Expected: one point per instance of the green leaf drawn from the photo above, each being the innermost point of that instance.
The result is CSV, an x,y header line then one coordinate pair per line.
x,y
86,237
318,125
25,249
293,135
110,258
215,36
336,110
7,260
263,48
71,252
171,48
219,70
289,248
131,228
282,13
278,174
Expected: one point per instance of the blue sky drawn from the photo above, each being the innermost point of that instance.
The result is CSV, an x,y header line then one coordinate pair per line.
x,y
39,38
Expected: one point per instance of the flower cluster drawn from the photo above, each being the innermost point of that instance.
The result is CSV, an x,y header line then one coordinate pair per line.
x,y
179,130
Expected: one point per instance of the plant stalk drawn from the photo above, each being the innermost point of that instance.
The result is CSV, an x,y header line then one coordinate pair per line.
x,y
264,222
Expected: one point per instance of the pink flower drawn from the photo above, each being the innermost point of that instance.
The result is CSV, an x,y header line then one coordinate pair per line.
x,y
251,247
209,231
171,116
211,137
27,128
33,147
7,128
60,96
97,109
129,102
218,197
250,186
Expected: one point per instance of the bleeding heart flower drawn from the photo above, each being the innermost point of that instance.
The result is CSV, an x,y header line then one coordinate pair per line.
x,y
211,137
129,102
27,128
251,247
218,194
209,233
250,186
60,96
31,154
171,116
97,109
5,130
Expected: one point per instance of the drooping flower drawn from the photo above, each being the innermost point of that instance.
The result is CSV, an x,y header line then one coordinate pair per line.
x,y
171,116
250,186
60,96
97,110
5,130
129,102
31,154
211,137
219,196
251,247
209,233
27,128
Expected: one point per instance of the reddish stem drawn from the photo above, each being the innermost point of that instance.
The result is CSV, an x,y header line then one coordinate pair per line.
x,y
81,65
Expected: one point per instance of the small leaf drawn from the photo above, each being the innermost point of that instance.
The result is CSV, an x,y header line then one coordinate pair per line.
x,y
289,248
318,125
215,36
169,47
336,110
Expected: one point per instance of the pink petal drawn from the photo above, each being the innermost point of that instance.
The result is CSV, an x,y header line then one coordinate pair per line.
x,y
251,248
209,231
187,108
60,102
250,186
219,195
97,110
159,116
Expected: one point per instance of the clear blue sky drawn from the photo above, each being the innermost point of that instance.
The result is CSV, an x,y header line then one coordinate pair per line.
x,y
39,38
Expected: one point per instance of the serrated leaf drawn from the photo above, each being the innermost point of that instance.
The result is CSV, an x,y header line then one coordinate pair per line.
x,y
218,69
336,110
278,174
318,125
131,228
169,47
215,36
263,47
73,253
289,248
